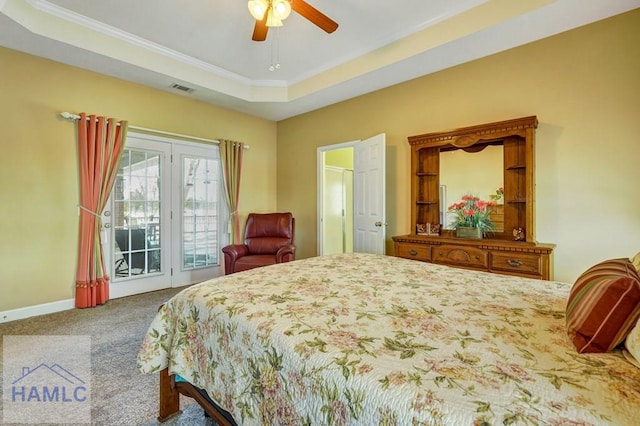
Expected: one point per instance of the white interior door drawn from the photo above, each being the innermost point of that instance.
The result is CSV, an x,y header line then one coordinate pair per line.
x,y
369,195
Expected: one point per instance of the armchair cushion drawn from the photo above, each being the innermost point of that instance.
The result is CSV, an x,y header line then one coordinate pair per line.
x,y
266,233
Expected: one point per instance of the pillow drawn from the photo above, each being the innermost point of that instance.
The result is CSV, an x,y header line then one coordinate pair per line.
x,y
633,344
603,306
636,262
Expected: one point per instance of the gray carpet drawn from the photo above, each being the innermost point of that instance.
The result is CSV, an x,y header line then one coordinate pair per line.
x,y
119,394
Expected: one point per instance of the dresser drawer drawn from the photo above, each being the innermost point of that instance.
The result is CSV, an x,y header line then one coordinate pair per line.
x,y
414,251
520,263
461,255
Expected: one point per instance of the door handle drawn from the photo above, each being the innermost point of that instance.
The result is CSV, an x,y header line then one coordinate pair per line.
x,y
379,224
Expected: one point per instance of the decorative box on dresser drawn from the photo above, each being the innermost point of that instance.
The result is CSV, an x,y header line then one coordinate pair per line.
x,y
498,252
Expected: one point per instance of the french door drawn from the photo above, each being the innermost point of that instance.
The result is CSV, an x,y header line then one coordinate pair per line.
x,y
163,226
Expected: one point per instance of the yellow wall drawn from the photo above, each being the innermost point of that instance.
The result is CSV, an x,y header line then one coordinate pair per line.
x,y
38,180
339,158
583,85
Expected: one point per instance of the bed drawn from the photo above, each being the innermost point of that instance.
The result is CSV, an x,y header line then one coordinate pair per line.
x,y
363,339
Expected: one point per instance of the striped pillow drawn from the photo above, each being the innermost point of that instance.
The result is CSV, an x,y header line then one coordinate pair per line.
x,y
603,306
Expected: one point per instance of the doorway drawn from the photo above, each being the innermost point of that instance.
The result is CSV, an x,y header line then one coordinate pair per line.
x,y
164,222
338,204
351,197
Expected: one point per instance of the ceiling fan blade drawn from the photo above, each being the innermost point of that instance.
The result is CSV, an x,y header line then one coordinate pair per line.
x,y
314,15
260,30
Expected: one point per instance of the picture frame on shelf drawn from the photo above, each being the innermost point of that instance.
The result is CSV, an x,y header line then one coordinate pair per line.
x,y
428,229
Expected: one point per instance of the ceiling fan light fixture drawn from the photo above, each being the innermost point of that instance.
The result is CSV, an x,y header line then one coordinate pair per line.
x,y
281,9
272,19
258,8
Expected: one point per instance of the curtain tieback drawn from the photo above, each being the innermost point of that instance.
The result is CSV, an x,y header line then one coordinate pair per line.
x,y
89,211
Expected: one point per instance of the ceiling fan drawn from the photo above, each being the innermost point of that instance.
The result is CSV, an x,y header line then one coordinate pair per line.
x,y
271,13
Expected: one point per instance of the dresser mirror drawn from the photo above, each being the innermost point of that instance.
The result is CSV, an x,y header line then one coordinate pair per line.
x,y
475,172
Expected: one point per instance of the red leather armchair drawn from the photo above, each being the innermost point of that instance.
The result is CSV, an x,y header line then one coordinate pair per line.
x,y
268,239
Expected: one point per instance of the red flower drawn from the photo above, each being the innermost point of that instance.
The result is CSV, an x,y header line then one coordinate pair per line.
x,y
472,212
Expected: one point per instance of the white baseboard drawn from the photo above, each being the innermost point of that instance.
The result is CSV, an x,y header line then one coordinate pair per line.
x,y
65,305
32,311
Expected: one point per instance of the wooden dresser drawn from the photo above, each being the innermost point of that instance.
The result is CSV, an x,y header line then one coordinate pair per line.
x,y
531,260
499,253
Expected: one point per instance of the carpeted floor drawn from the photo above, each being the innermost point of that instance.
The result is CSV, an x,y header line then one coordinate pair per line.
x,y
119,394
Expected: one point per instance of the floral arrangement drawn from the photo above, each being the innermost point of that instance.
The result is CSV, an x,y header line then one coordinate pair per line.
x,y
472,212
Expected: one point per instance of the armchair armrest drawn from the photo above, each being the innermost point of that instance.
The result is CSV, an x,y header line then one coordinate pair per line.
x,y
286,253
231,254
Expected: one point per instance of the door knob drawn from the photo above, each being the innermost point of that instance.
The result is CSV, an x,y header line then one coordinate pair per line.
x,y
379,224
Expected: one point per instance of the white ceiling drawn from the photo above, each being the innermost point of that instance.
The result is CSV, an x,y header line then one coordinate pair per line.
x,y
206,44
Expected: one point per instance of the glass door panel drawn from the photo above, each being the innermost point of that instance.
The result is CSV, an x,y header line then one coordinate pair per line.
x,y
137,214
200,215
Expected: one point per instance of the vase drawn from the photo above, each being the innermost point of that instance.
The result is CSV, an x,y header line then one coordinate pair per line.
x,y
468,232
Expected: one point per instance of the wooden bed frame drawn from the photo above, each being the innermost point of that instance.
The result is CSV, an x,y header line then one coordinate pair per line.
x,y
169,399
170,391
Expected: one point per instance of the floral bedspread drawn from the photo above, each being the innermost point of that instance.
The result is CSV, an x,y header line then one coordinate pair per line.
x,y
378,340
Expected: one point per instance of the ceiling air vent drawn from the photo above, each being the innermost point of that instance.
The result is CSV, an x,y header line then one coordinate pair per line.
x,y
181,88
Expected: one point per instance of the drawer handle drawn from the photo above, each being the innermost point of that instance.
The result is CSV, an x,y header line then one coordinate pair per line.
x,y
515,263
413,252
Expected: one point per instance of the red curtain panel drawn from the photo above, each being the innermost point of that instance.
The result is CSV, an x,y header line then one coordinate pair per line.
x,y
100,145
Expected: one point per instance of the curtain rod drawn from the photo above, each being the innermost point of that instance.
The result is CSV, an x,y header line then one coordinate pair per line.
x,y
70,116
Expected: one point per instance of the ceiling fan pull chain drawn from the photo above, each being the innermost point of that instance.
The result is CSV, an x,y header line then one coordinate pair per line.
x,y
275,47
